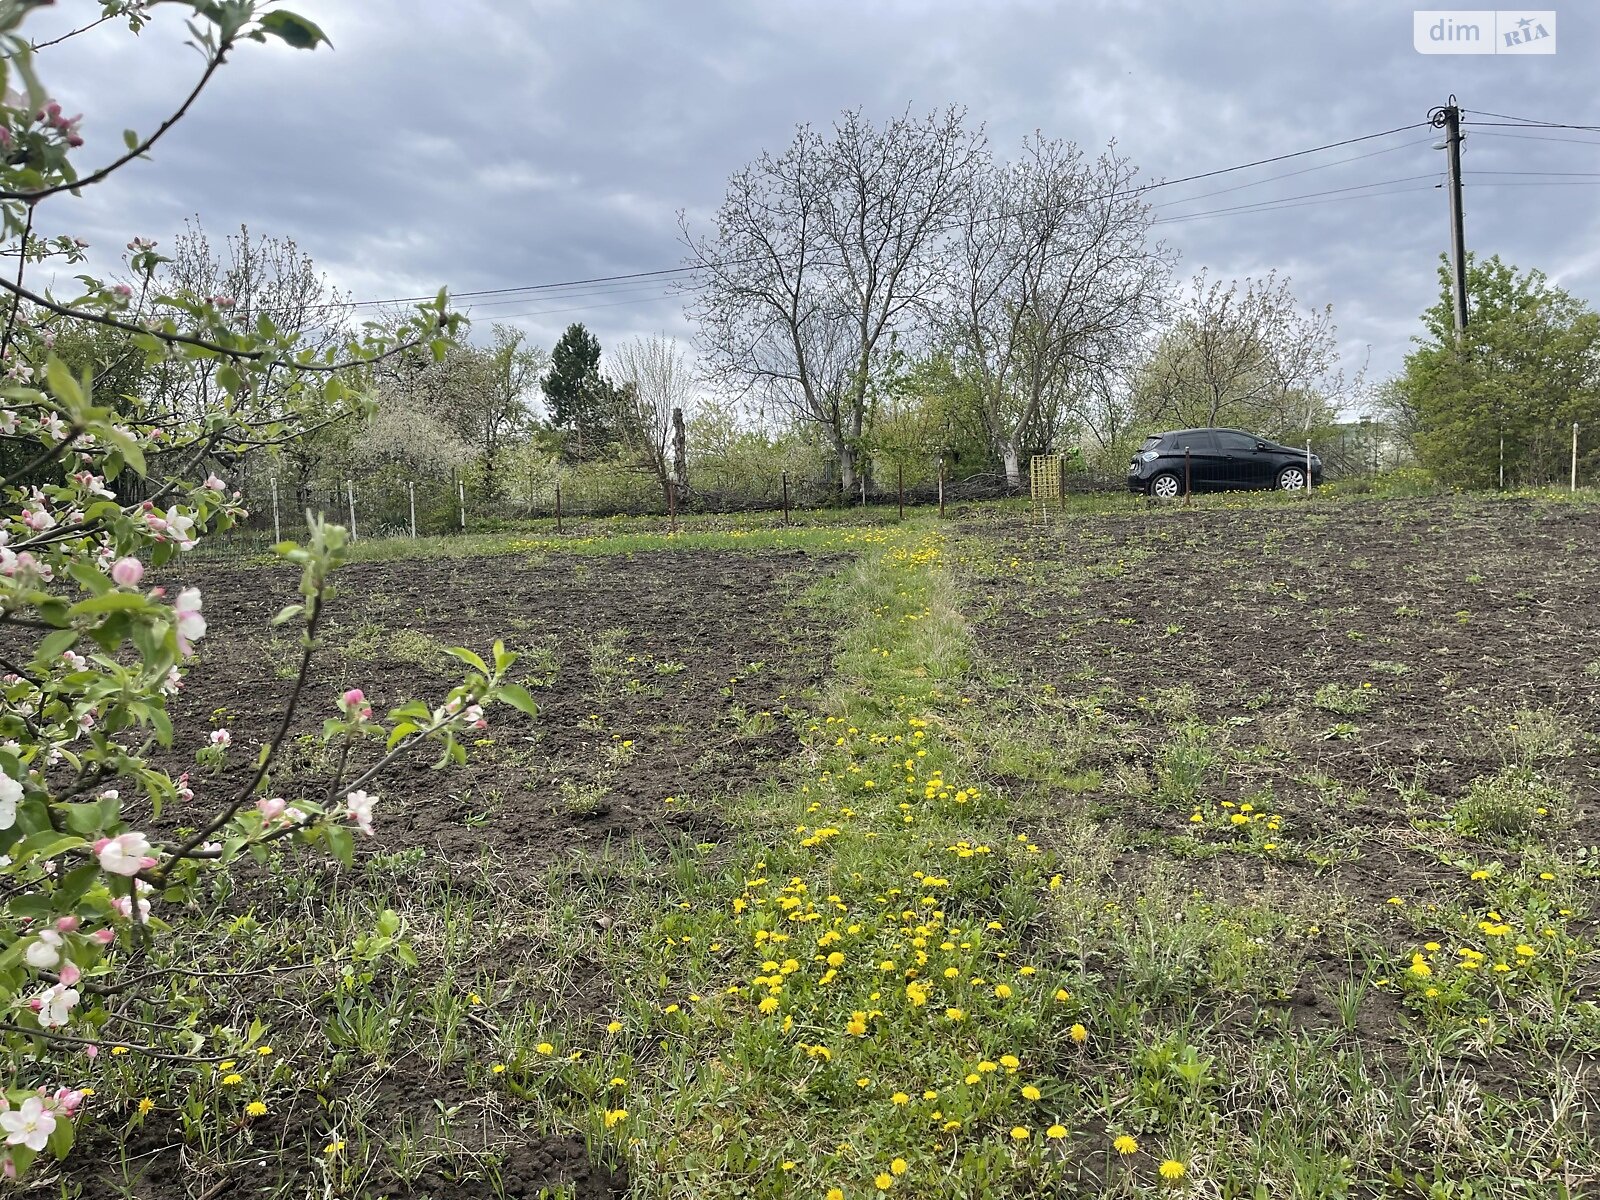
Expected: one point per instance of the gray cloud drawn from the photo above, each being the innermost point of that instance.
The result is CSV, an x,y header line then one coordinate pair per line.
x,y
486,145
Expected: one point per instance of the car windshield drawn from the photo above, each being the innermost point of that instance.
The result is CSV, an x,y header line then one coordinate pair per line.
x,y
1150,443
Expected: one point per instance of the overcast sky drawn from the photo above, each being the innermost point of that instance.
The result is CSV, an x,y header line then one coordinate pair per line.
x,y
485,145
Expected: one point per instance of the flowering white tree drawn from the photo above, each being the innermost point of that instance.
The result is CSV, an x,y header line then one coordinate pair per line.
x,y
90,655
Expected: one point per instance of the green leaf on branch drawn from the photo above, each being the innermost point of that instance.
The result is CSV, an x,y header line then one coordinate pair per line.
x,y
468,657
125,444
110,602
518,697
342,844
51,648
294,29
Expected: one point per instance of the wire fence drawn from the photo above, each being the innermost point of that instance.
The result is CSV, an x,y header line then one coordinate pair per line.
x,y
384,506
387,505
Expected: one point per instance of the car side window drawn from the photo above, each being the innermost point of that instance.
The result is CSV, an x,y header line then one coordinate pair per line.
x,y
1236,443
1200,441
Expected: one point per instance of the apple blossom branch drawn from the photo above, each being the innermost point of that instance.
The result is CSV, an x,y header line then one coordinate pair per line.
x,y
133,1047
314,609
138,151
184,339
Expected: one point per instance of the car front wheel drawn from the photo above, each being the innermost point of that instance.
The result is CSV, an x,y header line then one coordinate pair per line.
x,y
1292,479
1165,486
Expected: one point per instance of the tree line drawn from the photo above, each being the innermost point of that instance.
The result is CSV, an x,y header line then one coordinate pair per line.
x,y
897,296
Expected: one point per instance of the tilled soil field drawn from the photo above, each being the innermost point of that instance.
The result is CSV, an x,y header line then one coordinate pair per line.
x,y
661,681
1357,672
652,675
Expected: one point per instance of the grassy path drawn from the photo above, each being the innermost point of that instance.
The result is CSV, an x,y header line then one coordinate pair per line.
x,y
849,1002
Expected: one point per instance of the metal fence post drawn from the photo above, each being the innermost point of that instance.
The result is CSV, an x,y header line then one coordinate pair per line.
x,y
411,496
350,493
900,486
461,499
277,527
558,506
1574,456
1188,476
941,488
786,499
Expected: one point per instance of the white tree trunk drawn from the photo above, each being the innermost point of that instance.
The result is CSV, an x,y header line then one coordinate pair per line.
x,y
1008,452
847,471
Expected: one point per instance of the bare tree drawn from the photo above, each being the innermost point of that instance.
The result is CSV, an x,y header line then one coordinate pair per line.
x,y
819,254
1245,354
654,380
252,278
1052,276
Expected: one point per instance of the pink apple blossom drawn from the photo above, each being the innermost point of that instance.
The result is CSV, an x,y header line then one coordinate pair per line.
x,y
104,936
69,973
31,1125
191,625
125,854
45,951
68,924
272,809
221,738
214,484
68,1099
127,572
355,703
358,807
54,1005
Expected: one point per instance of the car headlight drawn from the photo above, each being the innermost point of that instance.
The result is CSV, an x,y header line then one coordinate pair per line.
x,y
1148,455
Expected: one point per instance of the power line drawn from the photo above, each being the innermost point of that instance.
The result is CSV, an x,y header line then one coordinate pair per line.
x,y
545,312
1359,192
1534,137
1509,172
1531,121
1291,174
673,271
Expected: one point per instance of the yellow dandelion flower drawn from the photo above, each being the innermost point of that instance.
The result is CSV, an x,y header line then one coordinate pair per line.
x,y
1002,991
883,1181
615,1115
1172,1170
1078,1034
835,1194
1125,1145
255,1109
899,1166
1030,1092
899,1098
545,1048
233,1080
145,1106
955,1014
333,1147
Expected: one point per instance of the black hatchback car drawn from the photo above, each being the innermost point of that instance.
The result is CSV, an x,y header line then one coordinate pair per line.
x,y
1217,460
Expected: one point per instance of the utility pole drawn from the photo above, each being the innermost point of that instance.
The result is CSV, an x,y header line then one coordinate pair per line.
x,y
1448,118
